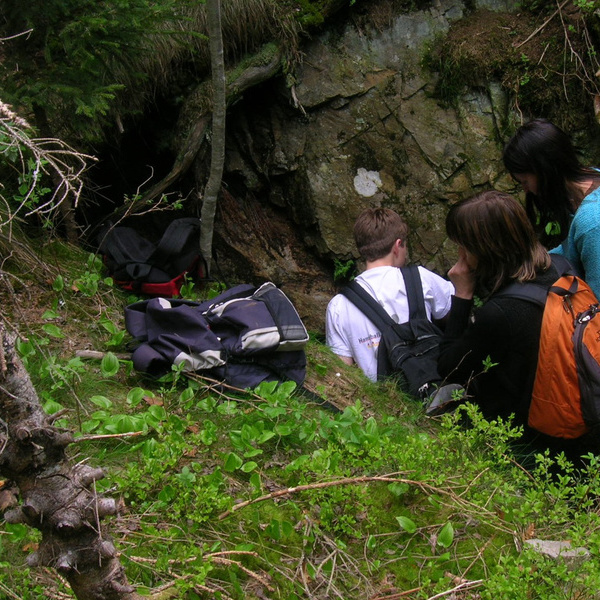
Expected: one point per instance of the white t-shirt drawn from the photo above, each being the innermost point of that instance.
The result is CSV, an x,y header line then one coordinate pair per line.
x,y
349,333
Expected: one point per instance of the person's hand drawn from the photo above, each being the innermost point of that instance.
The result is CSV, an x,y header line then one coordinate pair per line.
x,y
462,275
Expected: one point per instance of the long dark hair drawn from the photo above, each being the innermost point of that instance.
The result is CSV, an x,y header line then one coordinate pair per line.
x,y
542,148
495,229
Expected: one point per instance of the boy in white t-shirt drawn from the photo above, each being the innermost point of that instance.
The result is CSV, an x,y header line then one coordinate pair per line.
x,y
380,236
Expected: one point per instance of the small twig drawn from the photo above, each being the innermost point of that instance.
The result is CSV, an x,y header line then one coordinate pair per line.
x,y
516,464
158,592
397,595
87,438
333,556
4,437
480,552
214,384
191,559
96,355
231,552
16,35
461,586
3,367
300,568
229,562
539,62
9,592
204,588
472,482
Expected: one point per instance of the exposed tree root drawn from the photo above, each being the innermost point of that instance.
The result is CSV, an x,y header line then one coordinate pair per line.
x,y
57,498
196,137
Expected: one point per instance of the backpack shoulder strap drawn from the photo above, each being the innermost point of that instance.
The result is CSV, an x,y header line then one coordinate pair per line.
x,y
367,305
536,293
562,265
174,240
414,292
531,292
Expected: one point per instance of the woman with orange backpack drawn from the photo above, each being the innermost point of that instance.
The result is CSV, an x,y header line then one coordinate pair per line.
x,y
494,355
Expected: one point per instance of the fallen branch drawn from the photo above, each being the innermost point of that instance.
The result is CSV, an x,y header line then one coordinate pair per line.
x,y
422,485
104,436
96,355
327,484
397,595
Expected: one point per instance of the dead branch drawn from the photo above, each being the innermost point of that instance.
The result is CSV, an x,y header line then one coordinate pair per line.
x,y
397,595
96,355
51,156
316,486
107,436
465,585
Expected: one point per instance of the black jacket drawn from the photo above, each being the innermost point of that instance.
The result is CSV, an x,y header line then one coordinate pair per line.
x,y
507,330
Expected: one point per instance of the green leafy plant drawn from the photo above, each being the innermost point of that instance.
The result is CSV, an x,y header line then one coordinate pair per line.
x,y
88,283
105,421
343,270
117,334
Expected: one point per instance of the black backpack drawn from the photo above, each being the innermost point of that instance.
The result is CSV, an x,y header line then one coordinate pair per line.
x,y
409,349
139,265
242,337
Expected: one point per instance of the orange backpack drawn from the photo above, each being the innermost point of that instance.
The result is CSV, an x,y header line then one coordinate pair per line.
x,y
566,394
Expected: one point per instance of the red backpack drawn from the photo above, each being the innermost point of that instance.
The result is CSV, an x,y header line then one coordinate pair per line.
x,y
566,394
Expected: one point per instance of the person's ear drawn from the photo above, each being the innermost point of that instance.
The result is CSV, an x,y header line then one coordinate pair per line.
x,y
401,242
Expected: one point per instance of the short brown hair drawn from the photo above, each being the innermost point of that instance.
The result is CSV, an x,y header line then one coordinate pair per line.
x,y
376,230
494,228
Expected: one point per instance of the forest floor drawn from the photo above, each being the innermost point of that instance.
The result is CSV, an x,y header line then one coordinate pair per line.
x,y
265,494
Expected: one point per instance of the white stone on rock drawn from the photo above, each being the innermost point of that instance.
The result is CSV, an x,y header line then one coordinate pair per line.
x,y
366,183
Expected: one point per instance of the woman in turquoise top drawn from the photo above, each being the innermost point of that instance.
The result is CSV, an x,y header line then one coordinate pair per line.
x,y
559,189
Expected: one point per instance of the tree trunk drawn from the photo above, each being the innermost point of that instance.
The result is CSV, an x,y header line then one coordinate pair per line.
x,y
57,498
217,159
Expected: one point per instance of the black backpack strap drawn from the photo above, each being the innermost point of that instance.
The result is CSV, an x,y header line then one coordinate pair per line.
x,y
376,313
536,293
531,292
562,265
367,305
414,292
174,240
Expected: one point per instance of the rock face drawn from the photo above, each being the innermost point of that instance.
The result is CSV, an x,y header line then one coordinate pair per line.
x,y
358,128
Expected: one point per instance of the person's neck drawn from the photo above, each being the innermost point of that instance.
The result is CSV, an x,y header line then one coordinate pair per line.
x,y
578,190
381,262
